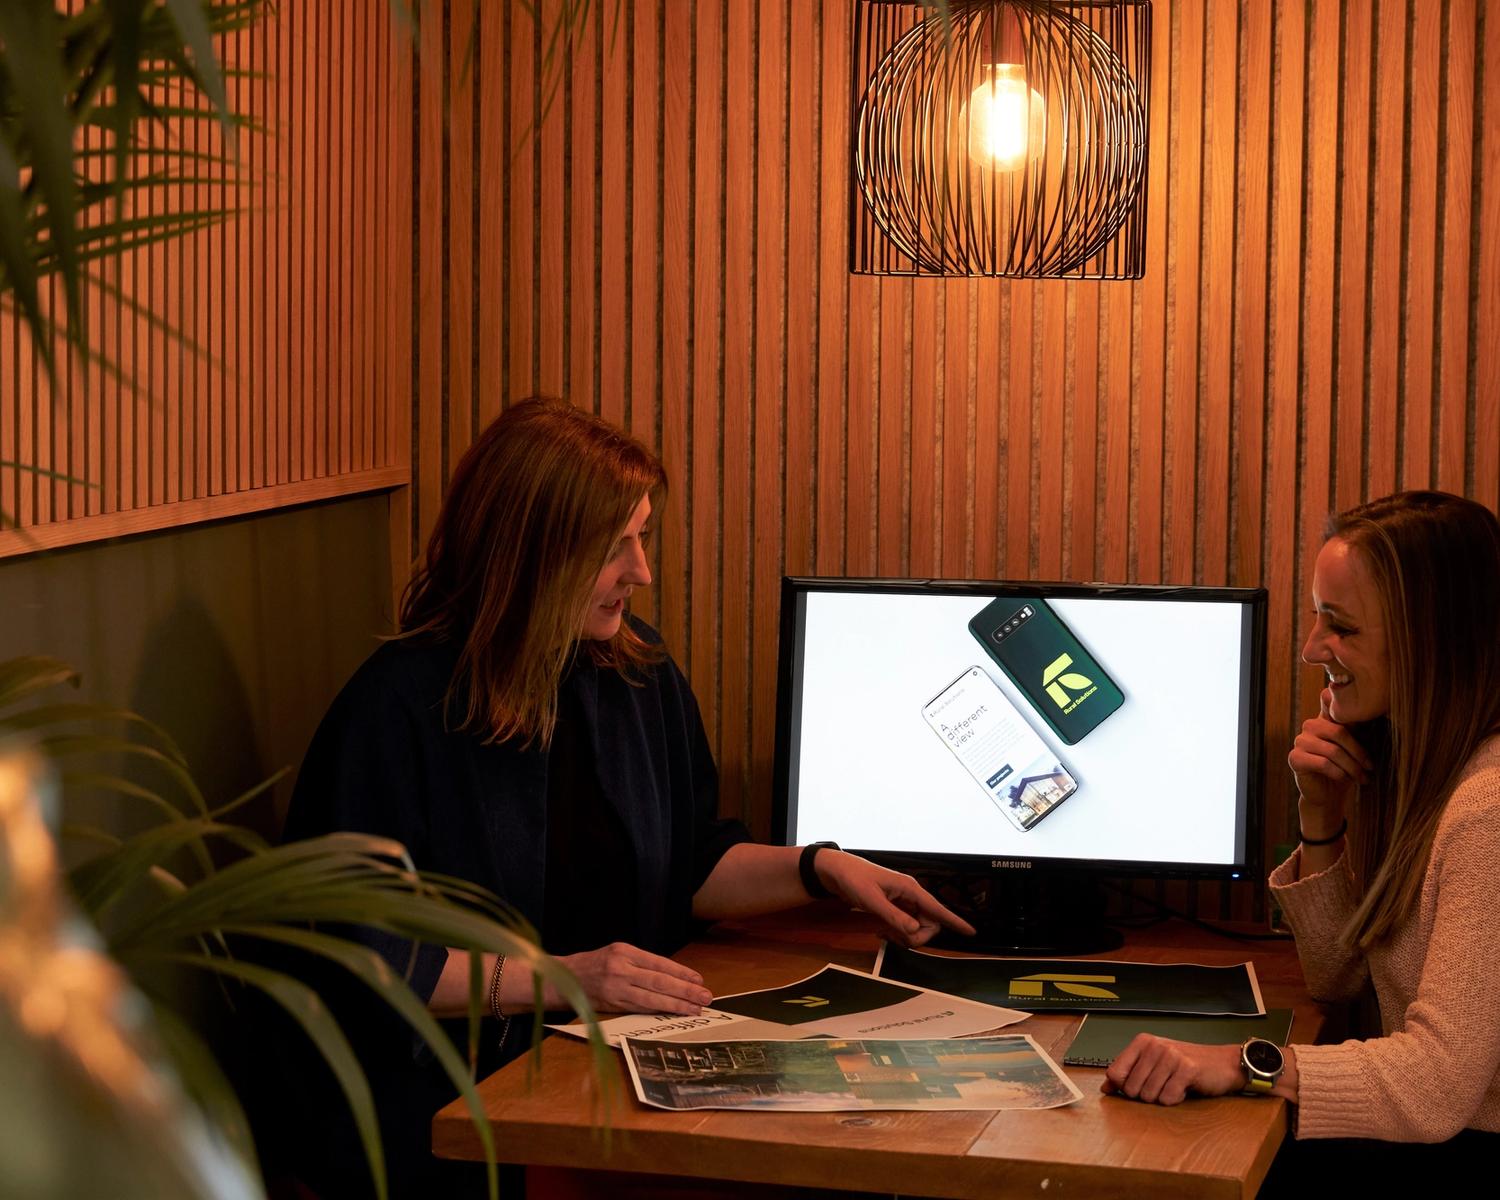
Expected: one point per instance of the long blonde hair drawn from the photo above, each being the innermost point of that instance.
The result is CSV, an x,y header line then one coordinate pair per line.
x,y
534,509
1435,562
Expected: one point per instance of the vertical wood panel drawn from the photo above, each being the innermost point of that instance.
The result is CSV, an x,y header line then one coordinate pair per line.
x,y
428,463
1279,570
1455,144
1320,204
923,446
244,362
988,481
1181,404
520,200
614,311
1354,256
645,243
1217,345
1017,448
769,356
1484,482
1384,392
1152,292
839,396
889,361
1049,483
674,544
814,432
553,155
738,398
1423,112
957,442
708,295
492,63
1082,438
1114,562
462,236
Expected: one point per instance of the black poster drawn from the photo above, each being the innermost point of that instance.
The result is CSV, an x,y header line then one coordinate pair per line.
x,y
1080,984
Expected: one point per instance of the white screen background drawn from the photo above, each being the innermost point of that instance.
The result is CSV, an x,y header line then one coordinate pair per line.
x,y
1158,779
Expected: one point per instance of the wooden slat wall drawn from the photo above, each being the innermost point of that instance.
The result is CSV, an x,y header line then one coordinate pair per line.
x,y
261,362
667,247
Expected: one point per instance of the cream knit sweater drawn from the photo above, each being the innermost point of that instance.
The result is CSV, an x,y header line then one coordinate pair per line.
x,y
1436,1070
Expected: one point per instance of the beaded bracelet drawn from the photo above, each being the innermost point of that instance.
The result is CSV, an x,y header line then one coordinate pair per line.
x,y
495,995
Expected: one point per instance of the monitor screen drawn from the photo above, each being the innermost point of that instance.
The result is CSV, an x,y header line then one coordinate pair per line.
x,y
1115,727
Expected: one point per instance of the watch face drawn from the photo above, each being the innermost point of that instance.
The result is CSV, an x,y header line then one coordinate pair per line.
x,y
1263,1056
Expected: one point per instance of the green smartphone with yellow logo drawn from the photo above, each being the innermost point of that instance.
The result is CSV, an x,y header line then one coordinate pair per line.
x,y
1065,683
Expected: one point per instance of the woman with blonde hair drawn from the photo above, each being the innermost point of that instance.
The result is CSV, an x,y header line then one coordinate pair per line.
x,y
1399,825
526,733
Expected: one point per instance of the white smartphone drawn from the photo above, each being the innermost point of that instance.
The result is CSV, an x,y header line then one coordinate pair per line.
x,y
998,748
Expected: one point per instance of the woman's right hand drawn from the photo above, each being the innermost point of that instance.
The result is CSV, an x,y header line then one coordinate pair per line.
x,y
1329,764
624,978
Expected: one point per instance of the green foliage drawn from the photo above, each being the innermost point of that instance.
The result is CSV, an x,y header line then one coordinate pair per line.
x,y
193,893
119,66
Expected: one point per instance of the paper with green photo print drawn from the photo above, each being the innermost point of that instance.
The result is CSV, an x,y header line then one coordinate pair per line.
x,y
1080,984
842,1075
835,1002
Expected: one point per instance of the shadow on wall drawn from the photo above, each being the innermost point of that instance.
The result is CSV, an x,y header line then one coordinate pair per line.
x,y
206,708
233,637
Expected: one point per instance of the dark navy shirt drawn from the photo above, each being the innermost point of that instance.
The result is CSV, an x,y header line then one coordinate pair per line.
x,y
627,798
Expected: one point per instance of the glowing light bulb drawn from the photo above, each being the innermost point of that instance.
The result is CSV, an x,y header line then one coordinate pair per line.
x,y
1007,119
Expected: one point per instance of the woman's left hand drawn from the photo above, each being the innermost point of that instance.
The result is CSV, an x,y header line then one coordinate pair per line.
x,y
911,913
1161,1071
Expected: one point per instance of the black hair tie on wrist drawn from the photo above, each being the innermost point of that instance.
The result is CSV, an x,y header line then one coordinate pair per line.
x,y
1328,841
809,873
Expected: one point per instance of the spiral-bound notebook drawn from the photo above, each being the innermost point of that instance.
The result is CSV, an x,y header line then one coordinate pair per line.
x,y
1103,1035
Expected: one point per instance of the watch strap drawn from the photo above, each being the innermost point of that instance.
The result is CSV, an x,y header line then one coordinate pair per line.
x,y
1257,1081
809,872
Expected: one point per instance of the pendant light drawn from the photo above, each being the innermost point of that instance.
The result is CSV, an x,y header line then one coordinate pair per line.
x,y
1005,138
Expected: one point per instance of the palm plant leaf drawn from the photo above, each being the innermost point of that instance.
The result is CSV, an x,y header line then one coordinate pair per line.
x,y
102,881
23,677
306,1007
120,65
66,745
191,22
39,130
75,781
17,272
123,55
157,921
204,1080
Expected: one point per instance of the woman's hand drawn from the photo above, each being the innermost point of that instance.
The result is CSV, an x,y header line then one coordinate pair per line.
x,y
911,913
1161,1071
624,978
1329,764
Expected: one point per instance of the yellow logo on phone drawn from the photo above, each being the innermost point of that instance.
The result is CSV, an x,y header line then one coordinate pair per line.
x,y
1055,680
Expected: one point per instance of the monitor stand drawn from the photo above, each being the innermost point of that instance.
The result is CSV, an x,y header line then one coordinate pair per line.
x,y
1041,914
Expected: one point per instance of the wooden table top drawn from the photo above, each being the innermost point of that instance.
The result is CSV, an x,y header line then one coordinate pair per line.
x,y
1100,1145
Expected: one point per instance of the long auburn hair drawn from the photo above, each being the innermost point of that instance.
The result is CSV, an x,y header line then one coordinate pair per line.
x,y
1435,562
534,509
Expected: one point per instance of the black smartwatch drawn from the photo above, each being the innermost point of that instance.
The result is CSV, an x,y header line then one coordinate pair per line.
x,y
1263,1062
809,873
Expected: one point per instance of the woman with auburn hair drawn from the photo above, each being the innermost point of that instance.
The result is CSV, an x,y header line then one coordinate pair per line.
x,y
1393,881
526,733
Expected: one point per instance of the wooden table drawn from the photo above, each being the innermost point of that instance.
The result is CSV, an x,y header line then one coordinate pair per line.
x,y
1099,1146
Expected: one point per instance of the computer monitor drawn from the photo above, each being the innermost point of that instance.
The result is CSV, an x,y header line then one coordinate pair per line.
x,y
1044,735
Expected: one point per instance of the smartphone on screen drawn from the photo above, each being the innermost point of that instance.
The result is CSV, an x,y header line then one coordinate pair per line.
x,y
998,748
1067,685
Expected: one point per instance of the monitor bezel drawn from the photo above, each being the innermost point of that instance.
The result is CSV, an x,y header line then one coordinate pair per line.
x,y
1255,598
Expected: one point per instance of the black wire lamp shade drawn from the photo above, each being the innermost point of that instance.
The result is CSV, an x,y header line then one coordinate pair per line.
x,y
1008,140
